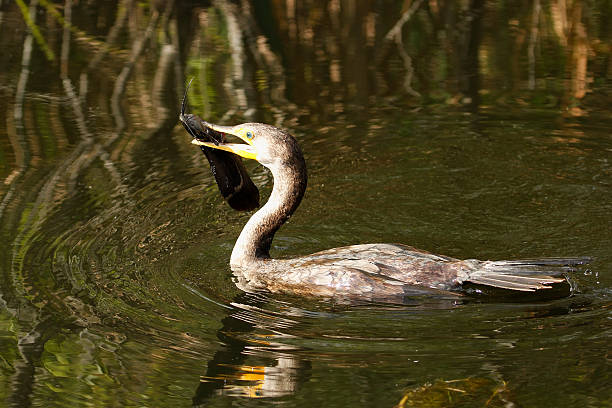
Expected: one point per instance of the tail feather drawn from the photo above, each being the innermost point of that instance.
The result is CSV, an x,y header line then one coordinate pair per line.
x,y
516,283
548,261
526,275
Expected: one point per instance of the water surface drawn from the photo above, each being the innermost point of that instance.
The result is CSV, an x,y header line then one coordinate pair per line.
x,y
483,133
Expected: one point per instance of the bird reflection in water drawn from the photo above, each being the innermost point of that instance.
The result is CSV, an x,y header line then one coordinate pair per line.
x,y
259,381
230,373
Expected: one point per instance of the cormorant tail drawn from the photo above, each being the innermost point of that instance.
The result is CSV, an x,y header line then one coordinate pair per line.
x,y
525,275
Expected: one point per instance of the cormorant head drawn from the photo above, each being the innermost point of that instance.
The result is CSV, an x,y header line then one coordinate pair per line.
x,y
269,145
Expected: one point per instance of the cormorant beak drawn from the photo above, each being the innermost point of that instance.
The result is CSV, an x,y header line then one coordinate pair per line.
x,y
248,150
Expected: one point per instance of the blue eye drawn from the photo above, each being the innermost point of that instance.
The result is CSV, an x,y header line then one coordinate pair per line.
x,y
249,135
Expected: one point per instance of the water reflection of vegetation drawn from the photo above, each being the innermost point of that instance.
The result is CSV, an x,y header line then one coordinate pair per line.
x,y
87,255
458,393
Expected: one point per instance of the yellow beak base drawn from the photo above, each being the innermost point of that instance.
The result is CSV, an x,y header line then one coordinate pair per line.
x,y
242,150
248,151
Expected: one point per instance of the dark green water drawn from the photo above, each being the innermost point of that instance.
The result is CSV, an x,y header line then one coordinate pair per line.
x,y
115,288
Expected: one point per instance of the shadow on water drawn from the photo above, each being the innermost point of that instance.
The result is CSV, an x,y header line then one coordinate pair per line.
x,y
468,129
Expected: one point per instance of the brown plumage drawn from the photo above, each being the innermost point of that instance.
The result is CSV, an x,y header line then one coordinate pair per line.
x,y
370,271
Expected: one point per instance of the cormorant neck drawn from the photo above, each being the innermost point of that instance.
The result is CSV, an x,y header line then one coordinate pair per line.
x,y
254,242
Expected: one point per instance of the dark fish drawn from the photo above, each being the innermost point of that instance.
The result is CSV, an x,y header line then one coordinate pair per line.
x,y
233,181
